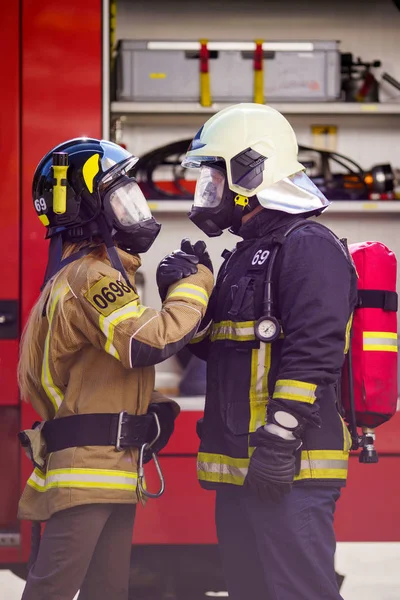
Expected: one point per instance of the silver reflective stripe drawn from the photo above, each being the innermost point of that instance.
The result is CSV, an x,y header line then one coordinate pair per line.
x,y
74,477
89,478
230,331
190,290
373,341
295,390
323,464
222,469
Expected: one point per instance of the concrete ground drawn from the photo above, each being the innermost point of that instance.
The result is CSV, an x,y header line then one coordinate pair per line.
x,y
372,573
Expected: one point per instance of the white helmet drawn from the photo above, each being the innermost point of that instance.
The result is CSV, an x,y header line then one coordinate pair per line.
x,y
258,149
256,142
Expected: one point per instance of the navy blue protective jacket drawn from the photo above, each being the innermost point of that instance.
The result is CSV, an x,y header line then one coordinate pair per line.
x,y
315,291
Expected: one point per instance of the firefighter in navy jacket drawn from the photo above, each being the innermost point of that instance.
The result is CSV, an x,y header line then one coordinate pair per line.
x,y
273,443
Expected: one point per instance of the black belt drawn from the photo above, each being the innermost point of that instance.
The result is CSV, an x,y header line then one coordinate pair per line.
x,y
109,429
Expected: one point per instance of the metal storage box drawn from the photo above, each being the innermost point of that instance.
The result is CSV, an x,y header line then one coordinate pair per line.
x,y
157,71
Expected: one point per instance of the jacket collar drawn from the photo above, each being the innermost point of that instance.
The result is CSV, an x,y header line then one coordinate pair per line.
x,y
266,222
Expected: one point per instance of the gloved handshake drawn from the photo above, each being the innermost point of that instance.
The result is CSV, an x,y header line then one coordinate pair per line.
x,y
181,263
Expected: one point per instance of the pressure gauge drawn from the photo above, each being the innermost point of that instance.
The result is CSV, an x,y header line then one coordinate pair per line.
x,y
267,329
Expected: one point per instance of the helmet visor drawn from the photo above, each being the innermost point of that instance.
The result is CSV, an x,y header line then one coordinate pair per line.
x,y
115,161
209,188
129,205
195,162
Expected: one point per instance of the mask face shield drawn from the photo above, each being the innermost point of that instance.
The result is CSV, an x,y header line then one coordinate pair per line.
x,y
128,204
128,212
210,188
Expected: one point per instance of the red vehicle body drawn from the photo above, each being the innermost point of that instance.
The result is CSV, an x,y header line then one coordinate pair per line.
x,y
52,91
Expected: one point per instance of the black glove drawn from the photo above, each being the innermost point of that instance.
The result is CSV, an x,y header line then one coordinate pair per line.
x,y
272,465
166,417
173,267
199,249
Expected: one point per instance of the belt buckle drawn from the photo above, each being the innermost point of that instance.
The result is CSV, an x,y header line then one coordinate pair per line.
x,y
120,437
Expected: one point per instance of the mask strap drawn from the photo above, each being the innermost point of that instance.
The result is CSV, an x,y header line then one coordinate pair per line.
x,y
54,258
112,252
55,264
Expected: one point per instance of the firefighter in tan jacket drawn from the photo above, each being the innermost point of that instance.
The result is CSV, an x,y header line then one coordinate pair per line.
x,y
87,366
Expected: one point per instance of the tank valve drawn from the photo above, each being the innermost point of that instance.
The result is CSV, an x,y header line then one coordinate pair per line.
x,y
368,453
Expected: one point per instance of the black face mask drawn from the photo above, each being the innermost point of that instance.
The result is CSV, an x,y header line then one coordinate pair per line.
x,y
139,238
227,215
213,221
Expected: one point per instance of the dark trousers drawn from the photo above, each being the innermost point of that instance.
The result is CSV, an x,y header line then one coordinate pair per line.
x,y
278,551
88,548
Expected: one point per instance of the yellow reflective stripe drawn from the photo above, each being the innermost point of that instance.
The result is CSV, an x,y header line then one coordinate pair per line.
x,y
347,441
321,474
315,464
208,457
299,391
260,366
220,468
382,341
52,391
189,290
323,464
324,455
240,331
81,471
108,331
380,334
220,478
132,310
83,478
348,332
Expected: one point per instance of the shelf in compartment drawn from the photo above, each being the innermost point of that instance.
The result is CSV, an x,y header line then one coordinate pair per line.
x,y
337,207
124,109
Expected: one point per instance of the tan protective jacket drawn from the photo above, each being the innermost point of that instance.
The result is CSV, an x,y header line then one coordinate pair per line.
x,y
99,352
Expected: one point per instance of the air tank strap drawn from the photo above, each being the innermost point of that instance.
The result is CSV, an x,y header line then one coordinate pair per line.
x,y
377,299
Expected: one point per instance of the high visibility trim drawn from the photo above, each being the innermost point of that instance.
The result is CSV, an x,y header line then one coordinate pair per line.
x,y
348,334
209,458
322,474
299,391
323,464
324,455
220,478
83,478
260,366
189,290
52,391
347,441
132,310
315,464
380,341
201,335
240,331
222,469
